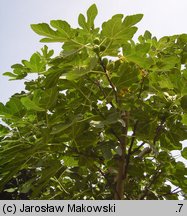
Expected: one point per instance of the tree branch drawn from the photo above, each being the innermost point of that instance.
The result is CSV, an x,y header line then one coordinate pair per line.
x,y
137,149
175,191
106,177
122,160
130,149
159,130
133,138
152,181
133,135
125,159
108,78
98,84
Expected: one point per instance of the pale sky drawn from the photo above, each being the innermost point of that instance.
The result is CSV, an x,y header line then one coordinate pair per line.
x,y
17,41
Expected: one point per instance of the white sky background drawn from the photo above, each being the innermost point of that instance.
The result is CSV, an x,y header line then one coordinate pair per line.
x,y
18,41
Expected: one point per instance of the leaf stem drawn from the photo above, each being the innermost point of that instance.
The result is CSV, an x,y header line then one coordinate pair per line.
x,y
108,78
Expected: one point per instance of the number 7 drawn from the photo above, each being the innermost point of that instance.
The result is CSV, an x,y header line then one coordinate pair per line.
x,y
181,205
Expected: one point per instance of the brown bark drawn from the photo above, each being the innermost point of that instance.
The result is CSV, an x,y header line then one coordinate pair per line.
x,y
120,178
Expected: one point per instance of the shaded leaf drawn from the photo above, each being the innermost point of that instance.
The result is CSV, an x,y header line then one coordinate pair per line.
x,y
49,97
61,127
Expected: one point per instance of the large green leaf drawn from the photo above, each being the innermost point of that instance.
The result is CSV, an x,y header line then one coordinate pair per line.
x,y
31,105
44,29
63,27
49,97
48,172
127,75
113,28
82,21
14,105
132,20
118,30
36,64
61,127
138,54
91,15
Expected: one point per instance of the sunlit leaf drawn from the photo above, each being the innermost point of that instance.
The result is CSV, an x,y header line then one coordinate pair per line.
x,y
30,105
132,20
91,15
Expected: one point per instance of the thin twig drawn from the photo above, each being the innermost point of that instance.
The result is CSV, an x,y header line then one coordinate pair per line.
x,y
98,84
133,138
152,181
133,135
109,80
101,88
106,177
175,191
137,149
159,130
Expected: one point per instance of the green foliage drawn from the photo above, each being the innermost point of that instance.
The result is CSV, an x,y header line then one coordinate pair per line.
x,y
101,119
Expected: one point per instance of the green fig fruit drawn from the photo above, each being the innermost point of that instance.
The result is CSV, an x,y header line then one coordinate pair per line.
x,y
102,48
105,61
96,48
96,41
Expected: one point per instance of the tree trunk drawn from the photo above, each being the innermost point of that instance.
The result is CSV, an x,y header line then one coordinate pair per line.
x,y
120,180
